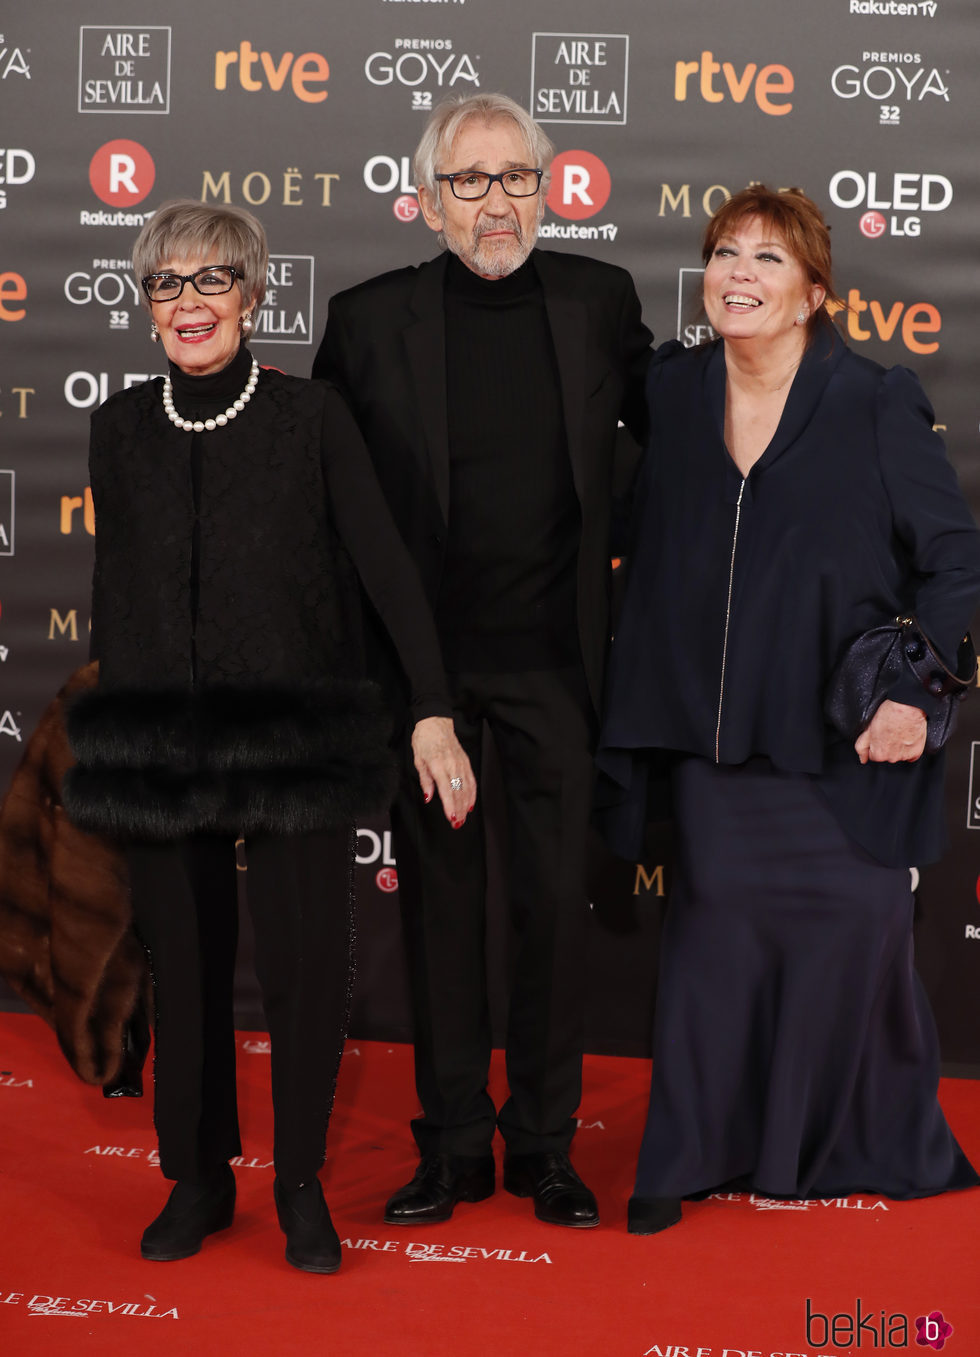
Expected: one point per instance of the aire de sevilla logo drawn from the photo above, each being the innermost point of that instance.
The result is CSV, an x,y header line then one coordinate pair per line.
x,y
580,185
122,173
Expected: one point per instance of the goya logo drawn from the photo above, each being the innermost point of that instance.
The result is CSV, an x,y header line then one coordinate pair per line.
x,y
717,81
122,173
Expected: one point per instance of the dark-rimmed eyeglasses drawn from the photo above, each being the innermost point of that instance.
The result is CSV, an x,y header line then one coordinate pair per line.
x,y
471,184
209,282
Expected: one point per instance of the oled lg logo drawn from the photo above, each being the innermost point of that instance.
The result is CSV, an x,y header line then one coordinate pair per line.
x,y
16,168
580,188
907,198
378,849
768,86
385,174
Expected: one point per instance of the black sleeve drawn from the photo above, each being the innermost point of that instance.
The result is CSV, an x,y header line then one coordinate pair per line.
x,y
931,518
328,365
387,572
635,342
99,449
636,349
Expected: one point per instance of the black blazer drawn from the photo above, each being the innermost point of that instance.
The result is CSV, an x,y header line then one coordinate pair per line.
x,y
385,347
743,592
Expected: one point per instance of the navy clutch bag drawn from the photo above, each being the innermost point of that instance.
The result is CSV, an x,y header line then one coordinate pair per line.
x,y
873,662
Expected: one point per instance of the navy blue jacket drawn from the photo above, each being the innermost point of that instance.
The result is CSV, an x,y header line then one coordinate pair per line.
x,y
743,592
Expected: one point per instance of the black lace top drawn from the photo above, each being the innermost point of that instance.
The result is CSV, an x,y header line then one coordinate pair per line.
x,y
226,610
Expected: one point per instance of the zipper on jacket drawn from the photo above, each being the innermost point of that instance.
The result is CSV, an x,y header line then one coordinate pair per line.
x,y
728,613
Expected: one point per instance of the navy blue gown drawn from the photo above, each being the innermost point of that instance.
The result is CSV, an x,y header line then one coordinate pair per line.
x,y
794,1052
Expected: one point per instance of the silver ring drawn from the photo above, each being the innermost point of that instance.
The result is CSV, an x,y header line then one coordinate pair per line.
x,y
456,783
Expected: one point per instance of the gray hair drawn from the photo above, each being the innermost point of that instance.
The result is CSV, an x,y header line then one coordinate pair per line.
x,y
446,122
185,229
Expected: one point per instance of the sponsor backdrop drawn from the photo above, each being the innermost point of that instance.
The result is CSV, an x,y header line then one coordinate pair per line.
x,y
308,114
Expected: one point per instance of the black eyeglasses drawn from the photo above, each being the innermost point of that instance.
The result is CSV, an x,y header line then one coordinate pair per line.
x,y
209,281
471,184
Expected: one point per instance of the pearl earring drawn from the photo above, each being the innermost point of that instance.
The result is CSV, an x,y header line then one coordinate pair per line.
x,y
246,325
154,332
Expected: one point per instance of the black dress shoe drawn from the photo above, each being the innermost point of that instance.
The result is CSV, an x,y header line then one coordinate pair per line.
x,y
650,1215
312,1243
193,1210
560,1196
441,1180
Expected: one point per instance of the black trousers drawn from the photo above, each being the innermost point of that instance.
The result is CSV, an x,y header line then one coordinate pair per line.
x,y
542,726
300,898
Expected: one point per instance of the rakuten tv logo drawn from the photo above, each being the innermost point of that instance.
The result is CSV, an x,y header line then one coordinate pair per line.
x,y
580,185
122,173
768,86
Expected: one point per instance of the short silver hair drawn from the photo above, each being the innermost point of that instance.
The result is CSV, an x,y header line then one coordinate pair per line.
x,y
447,120
186,229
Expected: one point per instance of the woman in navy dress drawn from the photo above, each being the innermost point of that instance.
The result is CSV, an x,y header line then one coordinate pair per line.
x,y
794,495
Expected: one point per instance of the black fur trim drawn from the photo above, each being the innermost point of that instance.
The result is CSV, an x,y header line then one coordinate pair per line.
x,y
133,728
285,761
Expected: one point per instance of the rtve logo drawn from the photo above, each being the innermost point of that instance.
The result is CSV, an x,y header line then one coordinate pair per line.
x,y
13,288
122,173
580,185
306,70
870,320
764,84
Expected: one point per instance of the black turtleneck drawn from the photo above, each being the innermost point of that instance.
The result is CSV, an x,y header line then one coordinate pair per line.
x,y
507,600
201,398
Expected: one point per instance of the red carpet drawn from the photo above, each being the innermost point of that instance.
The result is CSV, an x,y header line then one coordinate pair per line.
x,y
77,1186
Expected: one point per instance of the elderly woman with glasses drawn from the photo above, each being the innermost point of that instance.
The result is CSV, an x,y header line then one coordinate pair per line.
x,y
232,726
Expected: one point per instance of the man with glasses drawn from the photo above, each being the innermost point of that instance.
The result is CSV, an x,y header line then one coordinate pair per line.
x,y
488,384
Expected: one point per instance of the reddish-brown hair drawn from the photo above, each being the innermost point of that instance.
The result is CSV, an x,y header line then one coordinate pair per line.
x,y
789,216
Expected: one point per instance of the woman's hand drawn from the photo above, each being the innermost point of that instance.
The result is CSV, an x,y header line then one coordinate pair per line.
x,y
440,760
896,734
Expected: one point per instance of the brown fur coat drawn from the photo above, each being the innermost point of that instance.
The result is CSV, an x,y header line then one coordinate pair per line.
x,y
66,943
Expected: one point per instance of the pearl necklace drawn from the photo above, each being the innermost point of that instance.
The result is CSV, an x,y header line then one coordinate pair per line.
x,y
202,425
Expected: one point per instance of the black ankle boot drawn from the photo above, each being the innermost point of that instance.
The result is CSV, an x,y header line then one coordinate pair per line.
x,y
312,1243
650,1215
193,1210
